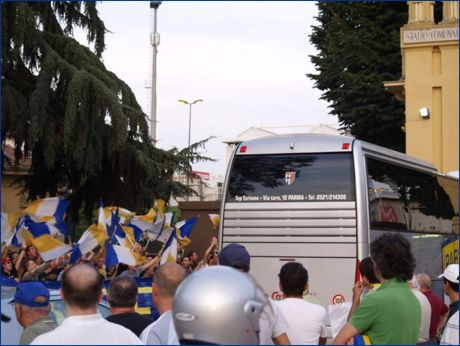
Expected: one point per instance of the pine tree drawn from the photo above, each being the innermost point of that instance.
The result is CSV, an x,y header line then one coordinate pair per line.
x,y
359,49
83,126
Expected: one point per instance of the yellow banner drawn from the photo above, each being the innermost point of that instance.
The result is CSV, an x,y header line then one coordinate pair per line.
x,y
449,254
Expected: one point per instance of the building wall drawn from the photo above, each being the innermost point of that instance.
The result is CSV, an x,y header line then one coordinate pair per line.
x,y
203,231
430,68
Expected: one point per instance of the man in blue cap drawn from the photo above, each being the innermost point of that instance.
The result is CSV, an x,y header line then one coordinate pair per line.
x,y
32,307
273,325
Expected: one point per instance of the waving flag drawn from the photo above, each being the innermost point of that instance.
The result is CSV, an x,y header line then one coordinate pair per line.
x,y
169,254
48,208
9,222
39,234
114,221
142,223
16,239
157,227
166,228
55,228
160,206
49,247
95,235
147,218
183,230
215,219
115,254
123,214
115,231
133,235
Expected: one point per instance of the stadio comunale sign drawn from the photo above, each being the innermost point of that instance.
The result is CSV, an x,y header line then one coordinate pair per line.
x,y
430,35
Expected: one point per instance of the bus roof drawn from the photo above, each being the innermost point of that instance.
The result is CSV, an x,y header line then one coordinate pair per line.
x,y
296,143
315,143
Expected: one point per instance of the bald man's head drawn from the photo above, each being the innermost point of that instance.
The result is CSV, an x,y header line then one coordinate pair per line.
x,y
424,281
167,278
82,286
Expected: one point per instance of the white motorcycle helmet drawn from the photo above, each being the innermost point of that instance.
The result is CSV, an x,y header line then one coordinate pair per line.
x,y
218,305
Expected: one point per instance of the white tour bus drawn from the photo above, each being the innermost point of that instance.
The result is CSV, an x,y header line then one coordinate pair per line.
x,y
321,199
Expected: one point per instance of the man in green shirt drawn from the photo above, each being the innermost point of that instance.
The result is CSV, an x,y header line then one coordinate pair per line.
x,y
32,309
392,314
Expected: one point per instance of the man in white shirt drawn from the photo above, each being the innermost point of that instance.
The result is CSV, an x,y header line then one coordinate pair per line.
x,y
81,290
166,279
450,335
306,321
424,334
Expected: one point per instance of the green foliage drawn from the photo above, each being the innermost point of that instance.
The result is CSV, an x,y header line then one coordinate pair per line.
x,y
358,49
85,130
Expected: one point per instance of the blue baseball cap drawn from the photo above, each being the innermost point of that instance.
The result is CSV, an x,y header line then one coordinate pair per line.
x,y
27,293
236,256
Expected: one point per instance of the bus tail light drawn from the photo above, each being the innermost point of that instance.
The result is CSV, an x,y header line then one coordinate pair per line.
x,y
243,149
345,146
357,272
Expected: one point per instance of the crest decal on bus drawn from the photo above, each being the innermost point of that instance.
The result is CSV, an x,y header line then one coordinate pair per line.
x,y
289,177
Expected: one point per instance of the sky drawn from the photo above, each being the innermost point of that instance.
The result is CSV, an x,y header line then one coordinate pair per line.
x,y
247,60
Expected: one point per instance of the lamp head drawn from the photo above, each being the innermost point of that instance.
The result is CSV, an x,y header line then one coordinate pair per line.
x,y
155,4
425,112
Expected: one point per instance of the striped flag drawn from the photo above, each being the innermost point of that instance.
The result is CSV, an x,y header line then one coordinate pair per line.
x,y
9,222
142,223
123,214
215,219
39,234
169,254
48,208
95,235
133,235
115,254
166,228
183,230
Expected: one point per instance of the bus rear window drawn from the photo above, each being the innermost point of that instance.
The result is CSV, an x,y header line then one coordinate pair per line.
x,y
321,177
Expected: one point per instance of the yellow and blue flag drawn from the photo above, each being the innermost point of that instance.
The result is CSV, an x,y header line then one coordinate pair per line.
x,y
46,209
115,254
123,214
169,254
94,236
215,219
145,305
165,229
132,236
360,340
142,223
9,222
39,234
183,230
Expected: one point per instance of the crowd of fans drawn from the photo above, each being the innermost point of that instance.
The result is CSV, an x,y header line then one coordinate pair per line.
x,y
26,264
216,301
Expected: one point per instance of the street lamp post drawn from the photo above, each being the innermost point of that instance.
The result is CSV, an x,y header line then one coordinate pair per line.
x,y
190,104
155,41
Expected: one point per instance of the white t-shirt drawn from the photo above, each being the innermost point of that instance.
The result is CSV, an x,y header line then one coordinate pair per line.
x,y
88,330
306,321
271,323
424,333
450,335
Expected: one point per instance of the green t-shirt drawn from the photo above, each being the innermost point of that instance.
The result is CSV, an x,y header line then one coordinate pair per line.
x,y
389,316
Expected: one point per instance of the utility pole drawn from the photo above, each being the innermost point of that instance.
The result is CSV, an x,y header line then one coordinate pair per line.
x,y
155,41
